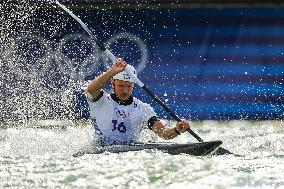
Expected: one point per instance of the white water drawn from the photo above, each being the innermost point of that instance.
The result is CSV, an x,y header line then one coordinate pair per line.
x,y
42,158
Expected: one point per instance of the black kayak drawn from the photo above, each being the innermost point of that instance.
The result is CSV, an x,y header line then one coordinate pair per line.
x,y
195,149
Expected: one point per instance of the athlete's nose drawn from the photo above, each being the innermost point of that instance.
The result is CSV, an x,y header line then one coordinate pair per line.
x,y
125,90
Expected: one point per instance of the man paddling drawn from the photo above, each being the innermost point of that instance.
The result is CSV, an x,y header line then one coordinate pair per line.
x,y
118,118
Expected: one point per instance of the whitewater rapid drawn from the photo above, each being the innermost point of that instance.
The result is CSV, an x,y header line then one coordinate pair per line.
x,y
33,157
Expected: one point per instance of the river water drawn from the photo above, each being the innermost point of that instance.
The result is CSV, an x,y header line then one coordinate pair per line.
x,y
33,157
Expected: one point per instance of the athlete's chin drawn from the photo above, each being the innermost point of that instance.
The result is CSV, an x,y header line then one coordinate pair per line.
x,y
124,97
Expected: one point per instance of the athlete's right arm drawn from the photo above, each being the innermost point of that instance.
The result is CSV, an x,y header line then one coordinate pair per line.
x,y
95,86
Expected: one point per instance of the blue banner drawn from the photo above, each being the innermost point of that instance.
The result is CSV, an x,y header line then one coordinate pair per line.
x,y
204,63
208,63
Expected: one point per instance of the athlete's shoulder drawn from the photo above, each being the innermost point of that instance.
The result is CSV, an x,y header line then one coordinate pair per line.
x,y
140,103
101,97
145,109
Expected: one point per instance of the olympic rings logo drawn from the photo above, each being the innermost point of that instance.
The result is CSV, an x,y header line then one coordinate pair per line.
x,y
75,55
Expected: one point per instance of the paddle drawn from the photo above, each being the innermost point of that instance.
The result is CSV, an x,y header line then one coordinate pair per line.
x,y
220,151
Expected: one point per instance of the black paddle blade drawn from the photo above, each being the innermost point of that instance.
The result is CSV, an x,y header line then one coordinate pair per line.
x,y
222,151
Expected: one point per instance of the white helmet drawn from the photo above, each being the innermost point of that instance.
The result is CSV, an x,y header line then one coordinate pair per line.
x,y
123,76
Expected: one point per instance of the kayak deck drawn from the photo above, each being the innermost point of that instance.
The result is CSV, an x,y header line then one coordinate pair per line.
x,y
195,149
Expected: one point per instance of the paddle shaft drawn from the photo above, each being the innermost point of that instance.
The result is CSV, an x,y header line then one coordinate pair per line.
x,y
220,151
137,81
171,112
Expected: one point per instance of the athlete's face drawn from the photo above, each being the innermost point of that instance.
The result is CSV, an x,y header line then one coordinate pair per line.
x,y
123,89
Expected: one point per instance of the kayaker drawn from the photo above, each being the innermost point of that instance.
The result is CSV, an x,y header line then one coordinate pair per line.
x,y
119,117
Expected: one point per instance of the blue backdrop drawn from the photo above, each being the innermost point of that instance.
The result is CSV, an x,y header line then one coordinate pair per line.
x,y
208,63
204,63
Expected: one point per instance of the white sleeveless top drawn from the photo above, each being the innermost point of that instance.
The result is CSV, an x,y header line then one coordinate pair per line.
x,y
118,122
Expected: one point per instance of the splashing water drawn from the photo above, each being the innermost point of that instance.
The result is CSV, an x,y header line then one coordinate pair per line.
x,y
43,68
34,83
37,158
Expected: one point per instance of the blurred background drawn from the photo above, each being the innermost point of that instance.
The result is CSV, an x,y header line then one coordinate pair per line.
x,y
208,60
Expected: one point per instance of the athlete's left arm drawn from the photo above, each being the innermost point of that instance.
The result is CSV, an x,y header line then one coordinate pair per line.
x,y
169,133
